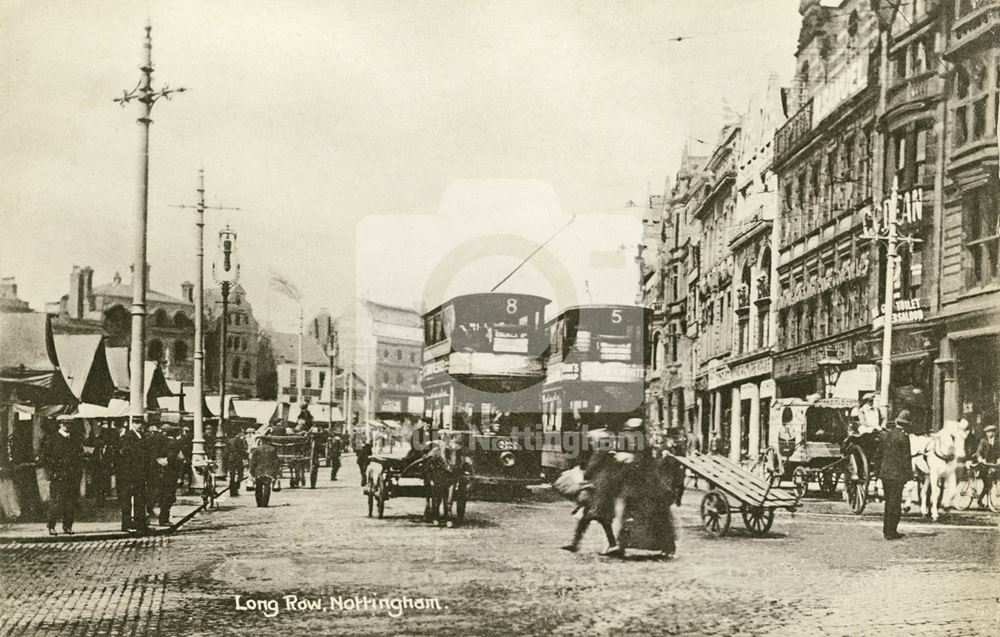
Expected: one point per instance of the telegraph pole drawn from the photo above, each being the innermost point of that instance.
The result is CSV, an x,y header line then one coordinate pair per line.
x,y
198,443
332,353
145,95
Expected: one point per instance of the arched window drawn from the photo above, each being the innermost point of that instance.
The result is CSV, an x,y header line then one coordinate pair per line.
x,y
154,351
180,351
116,319
246,370
181,320
160,318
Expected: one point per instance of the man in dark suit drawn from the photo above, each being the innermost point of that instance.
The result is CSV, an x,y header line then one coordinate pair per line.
x,y
896,469
167,455
62,456
134,466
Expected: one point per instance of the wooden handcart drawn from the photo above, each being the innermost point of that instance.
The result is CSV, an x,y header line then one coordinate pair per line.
x,y
730,483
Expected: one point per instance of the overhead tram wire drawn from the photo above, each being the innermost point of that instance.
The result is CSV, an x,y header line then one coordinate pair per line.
x,y
533,253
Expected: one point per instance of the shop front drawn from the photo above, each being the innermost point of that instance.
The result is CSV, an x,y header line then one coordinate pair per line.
x,y
797,372
911,382
968,369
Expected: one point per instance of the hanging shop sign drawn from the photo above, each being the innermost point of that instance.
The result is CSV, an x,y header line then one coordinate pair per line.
x,y
907,311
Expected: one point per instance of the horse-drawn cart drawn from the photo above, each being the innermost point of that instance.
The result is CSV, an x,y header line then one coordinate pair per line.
x,y
758,498
425,478
299,454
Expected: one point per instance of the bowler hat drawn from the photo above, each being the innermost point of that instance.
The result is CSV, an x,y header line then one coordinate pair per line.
x,y
869,396
903,418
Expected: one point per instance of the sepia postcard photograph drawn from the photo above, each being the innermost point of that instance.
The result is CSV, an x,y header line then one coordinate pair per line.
x,y
499,318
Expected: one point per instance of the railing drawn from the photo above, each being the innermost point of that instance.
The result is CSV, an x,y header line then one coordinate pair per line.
x,y
919,87
792,131
972,17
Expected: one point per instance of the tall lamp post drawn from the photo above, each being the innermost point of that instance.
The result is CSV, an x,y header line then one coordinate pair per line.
x,y
198,441
145,95
226,272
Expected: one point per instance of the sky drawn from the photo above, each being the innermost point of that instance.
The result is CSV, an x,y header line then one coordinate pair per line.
x,y
365,142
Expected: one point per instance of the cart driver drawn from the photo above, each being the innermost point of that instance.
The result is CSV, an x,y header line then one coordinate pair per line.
x,y
869,418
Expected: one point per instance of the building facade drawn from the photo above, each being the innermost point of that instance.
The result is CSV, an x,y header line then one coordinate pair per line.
x,y
169,320
383,344
241,344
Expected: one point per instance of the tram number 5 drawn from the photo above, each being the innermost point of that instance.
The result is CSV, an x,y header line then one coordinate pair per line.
x,y
511,306
616,316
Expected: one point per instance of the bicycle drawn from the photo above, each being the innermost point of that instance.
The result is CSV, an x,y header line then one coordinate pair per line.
x,y
972,489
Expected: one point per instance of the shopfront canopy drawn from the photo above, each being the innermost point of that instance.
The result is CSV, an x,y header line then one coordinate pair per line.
x,y
262,411
29,366
84,365
155,383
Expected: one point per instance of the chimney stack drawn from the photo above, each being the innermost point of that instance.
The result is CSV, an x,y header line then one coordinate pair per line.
x,y
74,306
187,291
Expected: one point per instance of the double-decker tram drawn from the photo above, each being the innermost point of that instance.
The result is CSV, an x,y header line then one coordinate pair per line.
x,y
482,376
595,377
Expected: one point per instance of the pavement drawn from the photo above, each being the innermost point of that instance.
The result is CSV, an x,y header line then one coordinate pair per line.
x,y
315,563
107,526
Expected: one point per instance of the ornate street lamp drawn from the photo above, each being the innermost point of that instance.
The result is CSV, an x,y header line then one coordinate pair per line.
x,y
226,272
829,367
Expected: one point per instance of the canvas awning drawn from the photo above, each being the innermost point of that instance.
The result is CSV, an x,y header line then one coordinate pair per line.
x,y
84,365
169,403
118,366
116,408
212,403
189,401
263,411
28,362
155,383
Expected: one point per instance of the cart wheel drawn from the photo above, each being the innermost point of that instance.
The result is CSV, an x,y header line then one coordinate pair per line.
x,y
371,499
715,515
856,480
966,492
800,478
383,495
460,498
313,476
828,482
758,520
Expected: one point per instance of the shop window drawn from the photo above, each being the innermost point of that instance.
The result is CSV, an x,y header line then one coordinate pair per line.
x,y
982,238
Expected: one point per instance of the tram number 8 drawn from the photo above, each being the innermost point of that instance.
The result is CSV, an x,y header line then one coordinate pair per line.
x,y
511,306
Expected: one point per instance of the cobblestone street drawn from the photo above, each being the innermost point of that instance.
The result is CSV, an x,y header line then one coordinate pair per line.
x,y
502,573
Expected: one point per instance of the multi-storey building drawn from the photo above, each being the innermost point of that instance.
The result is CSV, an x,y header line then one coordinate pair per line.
x,y
752,236
713,207
169,320
968,361
9,301
383,344
292,389
242,341
670,369
823,161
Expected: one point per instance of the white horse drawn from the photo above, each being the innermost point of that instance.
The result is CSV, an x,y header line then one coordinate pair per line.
x,y
935,459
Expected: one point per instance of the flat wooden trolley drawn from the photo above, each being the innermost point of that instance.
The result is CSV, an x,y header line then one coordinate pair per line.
x,y
728,481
